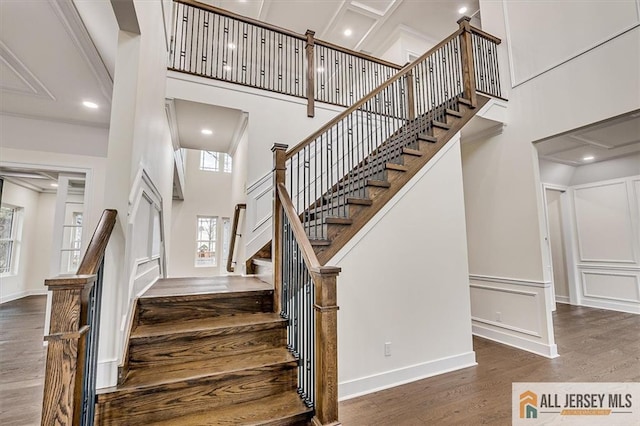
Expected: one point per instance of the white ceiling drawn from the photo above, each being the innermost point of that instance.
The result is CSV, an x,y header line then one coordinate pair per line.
x,y
191,117
616,137
49,65
375,23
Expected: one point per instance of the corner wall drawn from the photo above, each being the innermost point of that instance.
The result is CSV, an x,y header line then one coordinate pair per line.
x,y
404,281
503,194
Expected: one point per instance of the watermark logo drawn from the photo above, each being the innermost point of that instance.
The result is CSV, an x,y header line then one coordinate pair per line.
x,y
528,405
580,404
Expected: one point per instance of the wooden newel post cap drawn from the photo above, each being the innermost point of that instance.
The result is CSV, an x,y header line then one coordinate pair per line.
x,y
464,21
310,33
279,147
328,271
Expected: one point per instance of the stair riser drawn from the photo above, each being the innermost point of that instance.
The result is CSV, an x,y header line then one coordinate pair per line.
x,y
153,311
146,406
195,346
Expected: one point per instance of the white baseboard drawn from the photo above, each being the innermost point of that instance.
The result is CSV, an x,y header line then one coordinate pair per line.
x,y
629,308
107,373
510,339
388,379
563,299
21,294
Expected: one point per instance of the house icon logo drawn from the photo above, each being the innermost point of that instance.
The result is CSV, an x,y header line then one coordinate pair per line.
x,y
528,405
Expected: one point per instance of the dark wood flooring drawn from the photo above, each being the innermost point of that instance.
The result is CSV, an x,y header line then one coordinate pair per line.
x,y
594,345
22,357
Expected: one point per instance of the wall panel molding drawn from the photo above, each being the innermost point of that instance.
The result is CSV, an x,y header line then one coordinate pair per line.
x,y
517,81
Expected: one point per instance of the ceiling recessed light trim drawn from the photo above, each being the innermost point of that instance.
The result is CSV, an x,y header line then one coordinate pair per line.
x,y
90,104
207,132
55,185
348,32
462,10
588,158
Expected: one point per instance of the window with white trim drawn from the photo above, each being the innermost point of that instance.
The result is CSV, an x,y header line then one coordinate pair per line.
x,y
9,223
206,241
212,161
226,239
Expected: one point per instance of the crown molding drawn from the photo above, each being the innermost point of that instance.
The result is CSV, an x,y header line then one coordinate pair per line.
x,y
54,119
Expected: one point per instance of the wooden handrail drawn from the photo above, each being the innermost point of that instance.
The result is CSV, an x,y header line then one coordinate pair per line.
x,y
234,231
73,332
98,244
358,54
404,71
486,35
309,255
284,31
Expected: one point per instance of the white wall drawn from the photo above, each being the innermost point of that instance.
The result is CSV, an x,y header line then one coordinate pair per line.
x,y
17,283
139,168
503,195
404,280
239,195
206,194
40,267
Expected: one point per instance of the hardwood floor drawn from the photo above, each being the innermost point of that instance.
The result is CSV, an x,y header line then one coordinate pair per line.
x,y
22,357
594,345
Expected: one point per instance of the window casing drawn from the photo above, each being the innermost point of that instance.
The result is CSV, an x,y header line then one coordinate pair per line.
x,y
9,231
212,161
206,234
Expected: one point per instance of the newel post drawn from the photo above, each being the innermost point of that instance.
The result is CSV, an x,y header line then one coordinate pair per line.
x,y
311,74
411,105
468,68
279,172
62,401
326,308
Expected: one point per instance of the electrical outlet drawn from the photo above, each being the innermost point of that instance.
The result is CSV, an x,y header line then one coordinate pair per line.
x,y
387,349
499,316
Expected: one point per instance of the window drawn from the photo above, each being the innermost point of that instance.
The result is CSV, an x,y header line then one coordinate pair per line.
x,y
75,241
8,238
215,161
206,241
226,239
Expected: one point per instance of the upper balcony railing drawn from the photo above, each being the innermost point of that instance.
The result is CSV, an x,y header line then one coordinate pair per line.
x,y
215,43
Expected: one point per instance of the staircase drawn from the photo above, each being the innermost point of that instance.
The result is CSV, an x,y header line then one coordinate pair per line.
x,y
346,207
206,352
262,350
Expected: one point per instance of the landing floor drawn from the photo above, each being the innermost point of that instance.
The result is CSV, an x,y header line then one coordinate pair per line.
x,y
222,284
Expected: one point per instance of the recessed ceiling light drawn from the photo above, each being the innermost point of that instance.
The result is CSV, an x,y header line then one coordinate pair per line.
x,y
90,104
206,132
462,10
320,69
588,158
348,32
231,46
55,185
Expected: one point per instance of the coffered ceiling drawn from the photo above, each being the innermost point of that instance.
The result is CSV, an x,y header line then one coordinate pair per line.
x,y
616,137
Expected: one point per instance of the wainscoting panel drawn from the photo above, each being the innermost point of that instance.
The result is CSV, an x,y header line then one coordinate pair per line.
x,y
259,212
603,222
513,312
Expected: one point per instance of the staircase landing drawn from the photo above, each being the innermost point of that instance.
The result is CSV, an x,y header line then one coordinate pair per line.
x,y
209,285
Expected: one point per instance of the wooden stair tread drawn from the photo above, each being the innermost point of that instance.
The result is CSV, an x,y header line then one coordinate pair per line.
x,y
212,326
262,261
441,125
189,371
412,152
427,138
397,167
454,113
319,242
284,409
